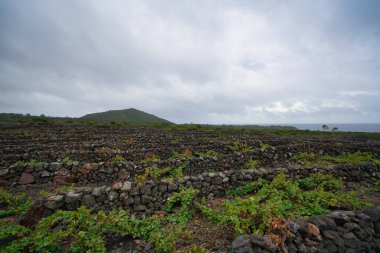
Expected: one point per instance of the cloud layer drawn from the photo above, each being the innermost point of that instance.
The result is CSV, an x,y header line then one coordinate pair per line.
x,y
241,62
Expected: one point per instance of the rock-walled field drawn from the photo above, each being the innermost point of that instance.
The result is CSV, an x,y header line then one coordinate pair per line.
x,y
138,169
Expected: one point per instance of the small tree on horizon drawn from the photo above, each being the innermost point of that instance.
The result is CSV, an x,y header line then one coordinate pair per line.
x,y
325,127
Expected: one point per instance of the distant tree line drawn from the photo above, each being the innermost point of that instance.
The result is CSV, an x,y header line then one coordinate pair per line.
x,y
326,128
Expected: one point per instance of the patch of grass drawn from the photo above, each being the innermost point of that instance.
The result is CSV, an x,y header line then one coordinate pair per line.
x,y
280,198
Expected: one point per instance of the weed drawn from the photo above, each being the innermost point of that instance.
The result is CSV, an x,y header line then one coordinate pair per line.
x,y
44,193
186,154
19,163
156,172
251,165
32,163
178,172
118,158
376,187
264,146
67,160
151,156
195,249
239,146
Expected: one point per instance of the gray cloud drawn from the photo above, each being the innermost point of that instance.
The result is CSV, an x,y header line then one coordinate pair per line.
x,y
191,61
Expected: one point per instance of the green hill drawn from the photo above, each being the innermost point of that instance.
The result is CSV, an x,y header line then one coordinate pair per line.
x,y
128,115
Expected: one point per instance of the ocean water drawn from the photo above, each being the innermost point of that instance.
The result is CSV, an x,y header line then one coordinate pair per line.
x,y
370,128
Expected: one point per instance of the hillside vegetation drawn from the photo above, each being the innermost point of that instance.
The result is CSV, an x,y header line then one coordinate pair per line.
x,y
128,115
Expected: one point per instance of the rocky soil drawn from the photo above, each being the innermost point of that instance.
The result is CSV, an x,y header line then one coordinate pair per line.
x,y
97,166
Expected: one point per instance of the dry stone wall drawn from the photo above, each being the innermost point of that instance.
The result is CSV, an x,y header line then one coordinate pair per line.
x,y
151,196
339,231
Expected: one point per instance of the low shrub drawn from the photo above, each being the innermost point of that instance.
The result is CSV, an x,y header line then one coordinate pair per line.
x,y
13,204
280,198
81,231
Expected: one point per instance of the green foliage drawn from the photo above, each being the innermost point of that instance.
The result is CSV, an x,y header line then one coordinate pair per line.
x,y
10,230
239,146
347,158
14,204
195,249
151,156
67,160
178,171
19,163
251,164
154,172
84,232
247,188
32,163
320,180
186,154
307,159
264,146
118,158
377,186
282,197
312,159
44,193
185,198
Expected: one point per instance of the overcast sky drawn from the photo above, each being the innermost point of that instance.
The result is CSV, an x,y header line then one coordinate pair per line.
x,y
239,62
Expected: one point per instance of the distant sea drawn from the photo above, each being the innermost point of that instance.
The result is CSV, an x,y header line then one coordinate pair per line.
x,y
370,128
